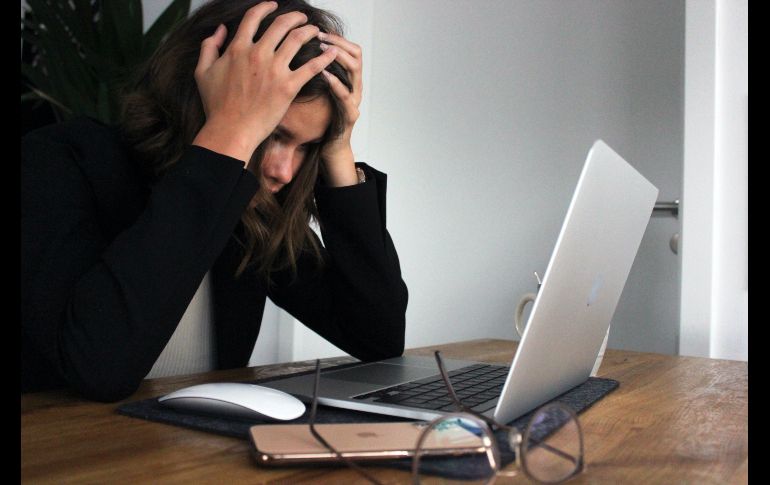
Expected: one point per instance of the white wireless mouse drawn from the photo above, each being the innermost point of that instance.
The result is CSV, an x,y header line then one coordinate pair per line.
x,y
236,399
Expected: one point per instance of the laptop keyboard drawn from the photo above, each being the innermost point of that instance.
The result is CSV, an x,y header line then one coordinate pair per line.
x,y
478,386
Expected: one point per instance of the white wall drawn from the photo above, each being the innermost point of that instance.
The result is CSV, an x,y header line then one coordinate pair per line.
x,y
698,205
715,236
482,117
731,224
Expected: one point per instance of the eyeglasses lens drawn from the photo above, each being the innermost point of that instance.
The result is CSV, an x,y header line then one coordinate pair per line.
x,y
552,445
463,443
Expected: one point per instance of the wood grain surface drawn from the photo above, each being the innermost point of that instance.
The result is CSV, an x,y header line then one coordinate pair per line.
x,y
672,420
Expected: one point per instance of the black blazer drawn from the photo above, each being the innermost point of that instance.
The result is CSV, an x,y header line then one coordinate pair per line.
x,y
110,262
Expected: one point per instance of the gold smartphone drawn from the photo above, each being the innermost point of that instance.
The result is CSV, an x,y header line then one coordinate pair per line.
x,y
282,444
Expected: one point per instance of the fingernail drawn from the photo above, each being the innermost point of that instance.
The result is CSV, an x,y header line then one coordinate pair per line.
x,y
322,35
324,46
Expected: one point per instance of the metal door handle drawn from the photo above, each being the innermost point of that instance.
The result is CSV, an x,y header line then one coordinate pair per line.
x,y
672,207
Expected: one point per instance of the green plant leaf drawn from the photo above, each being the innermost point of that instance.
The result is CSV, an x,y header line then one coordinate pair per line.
x,y
30,96
123,21
34,76
82,22
29,38
68,77
59,56
177,11
41,95
107,46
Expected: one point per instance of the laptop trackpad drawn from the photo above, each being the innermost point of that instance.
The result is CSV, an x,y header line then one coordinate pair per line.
x,y
381,374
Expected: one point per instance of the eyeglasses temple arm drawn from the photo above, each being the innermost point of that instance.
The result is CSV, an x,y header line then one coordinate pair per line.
x,y
317,435
557,451
462,407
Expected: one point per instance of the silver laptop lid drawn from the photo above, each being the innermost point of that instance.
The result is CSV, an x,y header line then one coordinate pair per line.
x,y
596,247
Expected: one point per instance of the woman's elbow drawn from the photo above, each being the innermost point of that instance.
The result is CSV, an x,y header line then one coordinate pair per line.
x,y
389,339
396,342
393,348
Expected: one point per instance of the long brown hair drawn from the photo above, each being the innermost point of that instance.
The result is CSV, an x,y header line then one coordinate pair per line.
x,y
162,112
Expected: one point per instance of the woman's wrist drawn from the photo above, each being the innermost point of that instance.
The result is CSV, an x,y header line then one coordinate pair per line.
x,y
340,168
221,138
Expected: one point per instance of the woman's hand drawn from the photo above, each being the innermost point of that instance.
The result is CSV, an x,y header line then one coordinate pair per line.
x,y
247,90
337,154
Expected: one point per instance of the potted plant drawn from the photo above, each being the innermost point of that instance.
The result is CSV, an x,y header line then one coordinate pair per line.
x,y
81,51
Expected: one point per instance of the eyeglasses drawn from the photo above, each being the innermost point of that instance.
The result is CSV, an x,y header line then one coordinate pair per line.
x,y
550,450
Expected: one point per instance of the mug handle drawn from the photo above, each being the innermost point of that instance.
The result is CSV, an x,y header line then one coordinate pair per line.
x,y
518,321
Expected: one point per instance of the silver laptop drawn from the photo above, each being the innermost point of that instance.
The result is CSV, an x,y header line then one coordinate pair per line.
x,y
581,287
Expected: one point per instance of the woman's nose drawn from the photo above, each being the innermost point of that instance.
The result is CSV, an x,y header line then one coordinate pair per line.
x,y
280,166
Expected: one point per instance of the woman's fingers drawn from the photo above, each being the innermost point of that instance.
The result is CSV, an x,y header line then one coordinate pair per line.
x,y
349,57
281,26
338,87
250,23
347,61
314,66
210,49
353,49
294,42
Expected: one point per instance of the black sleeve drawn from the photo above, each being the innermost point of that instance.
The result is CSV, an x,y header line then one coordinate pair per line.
x,y
357,300
99,310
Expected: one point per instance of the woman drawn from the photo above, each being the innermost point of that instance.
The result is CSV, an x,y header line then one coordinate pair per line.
x,y
235,136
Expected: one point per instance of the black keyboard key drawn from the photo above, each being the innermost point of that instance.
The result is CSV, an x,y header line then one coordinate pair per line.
x,y
450,408
428,380
395,397
408,385
437,404
413,401
485,406
465,393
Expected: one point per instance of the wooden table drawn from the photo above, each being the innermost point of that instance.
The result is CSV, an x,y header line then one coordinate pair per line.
x,y
672,420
